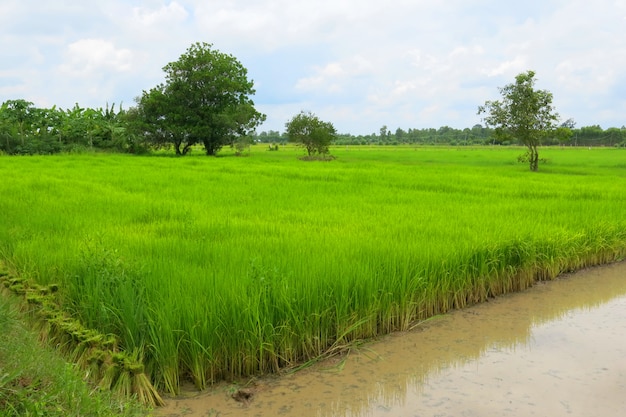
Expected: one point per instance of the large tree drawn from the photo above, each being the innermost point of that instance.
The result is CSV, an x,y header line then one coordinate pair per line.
x,y
523,113
308,130
205,99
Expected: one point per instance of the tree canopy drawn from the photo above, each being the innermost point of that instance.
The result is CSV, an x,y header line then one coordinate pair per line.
x,y
204,100
313,134
523,113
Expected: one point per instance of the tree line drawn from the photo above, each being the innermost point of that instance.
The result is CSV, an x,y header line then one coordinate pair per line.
x,y
476,135
27,130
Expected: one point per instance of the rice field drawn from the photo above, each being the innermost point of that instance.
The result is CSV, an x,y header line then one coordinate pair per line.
x,y
218,268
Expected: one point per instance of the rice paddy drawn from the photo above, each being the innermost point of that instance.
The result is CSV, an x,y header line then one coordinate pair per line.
x,y
219,268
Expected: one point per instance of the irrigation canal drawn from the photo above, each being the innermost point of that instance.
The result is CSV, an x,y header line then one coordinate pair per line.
x,y
557,349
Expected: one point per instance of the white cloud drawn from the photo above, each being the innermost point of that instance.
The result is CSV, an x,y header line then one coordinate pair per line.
x,y
87,57
516,65
336,77
400,63
165,15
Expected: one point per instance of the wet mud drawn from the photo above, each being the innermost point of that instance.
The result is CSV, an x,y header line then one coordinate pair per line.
x,y
557,349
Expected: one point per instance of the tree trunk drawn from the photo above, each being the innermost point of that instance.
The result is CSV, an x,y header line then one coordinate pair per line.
x,y
533,156
212,146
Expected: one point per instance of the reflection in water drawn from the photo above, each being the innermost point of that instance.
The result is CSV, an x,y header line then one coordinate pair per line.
x,y
516,355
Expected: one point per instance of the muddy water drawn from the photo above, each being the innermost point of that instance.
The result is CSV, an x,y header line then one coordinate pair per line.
x,y
558,349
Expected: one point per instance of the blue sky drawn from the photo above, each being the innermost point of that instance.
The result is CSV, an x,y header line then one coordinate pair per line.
x,y
359,64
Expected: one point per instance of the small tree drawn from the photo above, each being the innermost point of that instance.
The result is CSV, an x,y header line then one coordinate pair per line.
x,y
523,113
309,131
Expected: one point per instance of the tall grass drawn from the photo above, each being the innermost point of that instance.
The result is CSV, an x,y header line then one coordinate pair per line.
x,y
215,268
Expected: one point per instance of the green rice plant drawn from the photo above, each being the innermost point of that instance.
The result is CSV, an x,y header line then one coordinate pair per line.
x,y
218,268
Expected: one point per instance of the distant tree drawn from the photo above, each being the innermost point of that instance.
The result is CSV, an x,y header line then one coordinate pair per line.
x,y
16,119
28,130
569,123
563,134
95,128
590,135
384,133
614,136
205,99
400,135
312,133
523,113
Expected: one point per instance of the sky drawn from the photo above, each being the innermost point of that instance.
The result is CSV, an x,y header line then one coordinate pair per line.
x,y
359,64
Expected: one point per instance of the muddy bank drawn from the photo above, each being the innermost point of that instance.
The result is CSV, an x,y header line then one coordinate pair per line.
x,y
556,349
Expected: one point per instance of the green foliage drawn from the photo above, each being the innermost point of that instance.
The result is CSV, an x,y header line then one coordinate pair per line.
x,y
28,130
283,261
315,135
205,100
18,121
523,113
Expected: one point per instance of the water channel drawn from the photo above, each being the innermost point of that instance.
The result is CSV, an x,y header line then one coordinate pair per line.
x,y
557,349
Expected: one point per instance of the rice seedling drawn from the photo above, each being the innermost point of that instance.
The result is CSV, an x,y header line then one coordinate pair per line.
x,y
218,268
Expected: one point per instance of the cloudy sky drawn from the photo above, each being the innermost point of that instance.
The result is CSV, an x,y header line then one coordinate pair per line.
x,y
359,64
